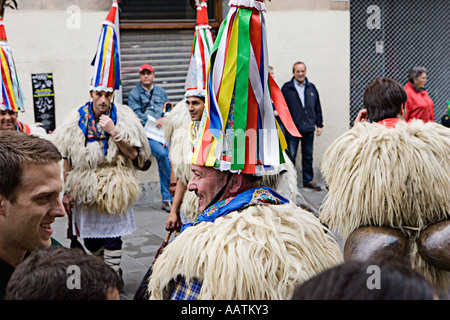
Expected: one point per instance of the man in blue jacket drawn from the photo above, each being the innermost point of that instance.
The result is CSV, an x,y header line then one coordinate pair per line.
x,y
147,99
303,101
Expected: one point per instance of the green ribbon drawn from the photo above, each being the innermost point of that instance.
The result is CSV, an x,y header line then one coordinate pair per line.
x,y
241,90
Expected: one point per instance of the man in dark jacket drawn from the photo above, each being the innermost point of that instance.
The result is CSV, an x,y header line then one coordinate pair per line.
x,y
303,101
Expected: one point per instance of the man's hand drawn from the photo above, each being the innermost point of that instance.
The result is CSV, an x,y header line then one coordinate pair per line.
x,y
318,131
124,146
160,122
361,117
173,222
173,183
66,204
172,187
107,124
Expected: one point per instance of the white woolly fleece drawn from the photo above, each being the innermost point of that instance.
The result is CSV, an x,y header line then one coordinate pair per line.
x,y
106,182
397,177
262,252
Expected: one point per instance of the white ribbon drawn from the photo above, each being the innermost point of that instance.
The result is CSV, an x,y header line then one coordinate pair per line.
x,y
248,3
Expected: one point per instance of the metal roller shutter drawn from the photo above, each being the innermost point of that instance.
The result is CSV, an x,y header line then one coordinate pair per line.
x,y
168,51
408,33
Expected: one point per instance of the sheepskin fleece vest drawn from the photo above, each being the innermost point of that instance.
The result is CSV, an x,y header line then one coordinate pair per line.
x,y
261,252
108,182
398,178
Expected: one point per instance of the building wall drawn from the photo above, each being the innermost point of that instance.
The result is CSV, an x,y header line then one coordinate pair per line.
x,y
307,5
48,45
97,5
320,39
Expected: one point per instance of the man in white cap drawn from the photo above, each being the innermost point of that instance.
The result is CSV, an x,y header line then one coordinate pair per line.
x,y
102,143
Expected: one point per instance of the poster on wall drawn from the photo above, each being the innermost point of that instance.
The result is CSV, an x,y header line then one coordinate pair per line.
x,y
44,100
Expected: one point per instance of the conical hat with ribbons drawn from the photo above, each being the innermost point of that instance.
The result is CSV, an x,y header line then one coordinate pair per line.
x,y
106,76
11,97
238,131
202,45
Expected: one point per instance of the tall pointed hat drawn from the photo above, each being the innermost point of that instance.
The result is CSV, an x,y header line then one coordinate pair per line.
x,y
106,62
239,131
202,45
11,97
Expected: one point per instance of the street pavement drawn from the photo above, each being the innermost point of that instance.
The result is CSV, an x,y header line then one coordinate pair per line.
x,y
139,249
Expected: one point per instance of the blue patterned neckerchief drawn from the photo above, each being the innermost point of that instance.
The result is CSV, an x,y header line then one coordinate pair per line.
x,y
251,197
89,127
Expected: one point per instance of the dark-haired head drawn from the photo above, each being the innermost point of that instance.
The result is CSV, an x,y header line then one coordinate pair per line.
x,y
384,98
381,279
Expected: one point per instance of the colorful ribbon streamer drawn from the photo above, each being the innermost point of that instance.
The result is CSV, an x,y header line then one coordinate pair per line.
x,y
11,97
106,62
202,45
239,131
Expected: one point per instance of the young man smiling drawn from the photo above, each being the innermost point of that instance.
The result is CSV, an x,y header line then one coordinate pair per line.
x,y
30,187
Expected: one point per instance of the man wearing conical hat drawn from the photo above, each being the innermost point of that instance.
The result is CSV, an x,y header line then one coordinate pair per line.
x,y
182,120
11,97
248,241
182,124
388,183
102,143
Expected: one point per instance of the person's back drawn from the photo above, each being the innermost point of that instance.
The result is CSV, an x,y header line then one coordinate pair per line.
x,y
384,98
395,174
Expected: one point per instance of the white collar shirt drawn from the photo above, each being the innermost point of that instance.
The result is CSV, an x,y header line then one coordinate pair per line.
x,y
301,91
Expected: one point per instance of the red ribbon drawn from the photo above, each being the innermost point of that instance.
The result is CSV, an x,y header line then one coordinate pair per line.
x,y
282,108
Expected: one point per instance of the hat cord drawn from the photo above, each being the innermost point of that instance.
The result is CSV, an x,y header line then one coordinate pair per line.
x,y
220,193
